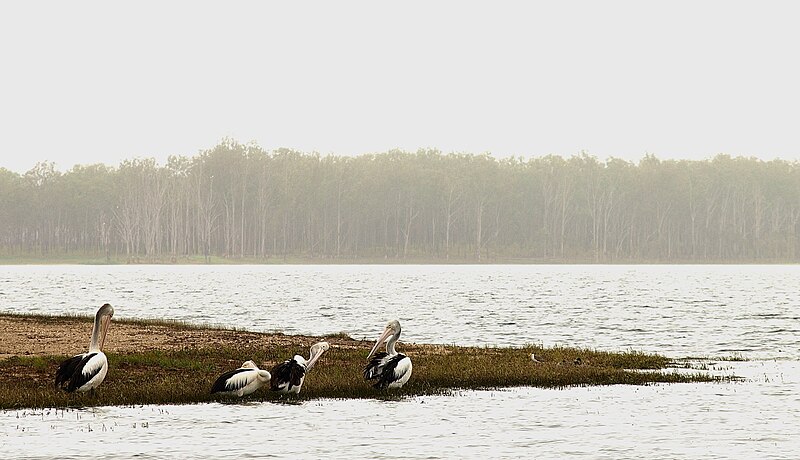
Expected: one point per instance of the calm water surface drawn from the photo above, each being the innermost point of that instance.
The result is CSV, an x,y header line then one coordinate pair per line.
x,y
751,311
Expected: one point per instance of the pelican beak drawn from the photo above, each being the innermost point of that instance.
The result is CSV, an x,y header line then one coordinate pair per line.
x,y
386,333
104,323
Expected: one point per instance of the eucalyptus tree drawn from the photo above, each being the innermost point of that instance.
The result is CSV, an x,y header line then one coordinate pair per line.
x,y
44,208
225,164
90,194
11,210
177,198
206,205
137,214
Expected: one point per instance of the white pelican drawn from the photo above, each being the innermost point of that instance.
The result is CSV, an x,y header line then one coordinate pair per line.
x,y
288,376
86,371
392,369
242,381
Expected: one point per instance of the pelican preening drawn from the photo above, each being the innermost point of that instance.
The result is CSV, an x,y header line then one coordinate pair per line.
x,y
288,376
86,371
391,369
242,381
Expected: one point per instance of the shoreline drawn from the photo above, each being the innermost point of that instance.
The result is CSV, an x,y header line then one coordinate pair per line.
x,y
67,259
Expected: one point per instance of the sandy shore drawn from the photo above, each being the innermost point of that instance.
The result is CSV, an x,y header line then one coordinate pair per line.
x,y
34,336
43,336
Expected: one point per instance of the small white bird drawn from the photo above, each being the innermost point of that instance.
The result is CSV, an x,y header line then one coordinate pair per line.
x,y
288,376
87,371
242,381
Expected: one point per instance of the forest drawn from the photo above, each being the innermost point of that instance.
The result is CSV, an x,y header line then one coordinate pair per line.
x,y
242,203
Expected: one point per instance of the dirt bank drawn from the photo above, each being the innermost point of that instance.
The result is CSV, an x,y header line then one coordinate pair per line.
x,y
43,336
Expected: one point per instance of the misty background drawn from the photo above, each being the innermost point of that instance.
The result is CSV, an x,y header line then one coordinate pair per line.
x,y
575,131
241,202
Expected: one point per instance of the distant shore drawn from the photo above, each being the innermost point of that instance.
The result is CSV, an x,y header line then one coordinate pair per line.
x,y
156,362
299,260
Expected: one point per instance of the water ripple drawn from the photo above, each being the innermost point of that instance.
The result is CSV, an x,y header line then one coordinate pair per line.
x,y
676,310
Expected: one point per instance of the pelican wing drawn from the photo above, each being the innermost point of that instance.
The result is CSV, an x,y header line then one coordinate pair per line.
x,y
375,366
391,369
66,369
401,366
289,372
234,380
93,365
74,372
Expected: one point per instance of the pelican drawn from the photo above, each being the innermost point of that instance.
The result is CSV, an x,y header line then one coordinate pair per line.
x,y
242,381
86,371
288,376
391,369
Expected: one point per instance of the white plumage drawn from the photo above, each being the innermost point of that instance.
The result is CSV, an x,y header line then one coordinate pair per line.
x,y
242,381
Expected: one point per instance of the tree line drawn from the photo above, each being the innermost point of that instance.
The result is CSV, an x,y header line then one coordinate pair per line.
x,y
242,202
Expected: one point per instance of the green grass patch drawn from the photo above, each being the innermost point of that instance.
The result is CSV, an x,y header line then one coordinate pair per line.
x,y
177,377
162,376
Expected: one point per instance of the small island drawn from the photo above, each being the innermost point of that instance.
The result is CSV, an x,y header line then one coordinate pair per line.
x,y
163,362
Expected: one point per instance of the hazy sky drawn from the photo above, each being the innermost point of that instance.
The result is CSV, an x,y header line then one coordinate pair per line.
x,y
86,82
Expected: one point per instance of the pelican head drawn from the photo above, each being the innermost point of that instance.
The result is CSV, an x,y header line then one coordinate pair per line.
x,y
391,332
262,375
394,325
248,365
316,351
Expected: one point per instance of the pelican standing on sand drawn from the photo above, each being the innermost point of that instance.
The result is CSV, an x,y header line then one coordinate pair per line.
x,y
87,371
391,369
288,376
242,381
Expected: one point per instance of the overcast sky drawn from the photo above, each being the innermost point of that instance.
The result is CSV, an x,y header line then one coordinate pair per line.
x,y
87,82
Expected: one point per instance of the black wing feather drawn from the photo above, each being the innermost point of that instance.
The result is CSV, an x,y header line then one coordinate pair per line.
x,y
69,375
221,384
66,369
288,371
298,372
385,373
373,368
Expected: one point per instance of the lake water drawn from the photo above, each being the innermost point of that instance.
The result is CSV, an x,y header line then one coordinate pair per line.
x,y
681,311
